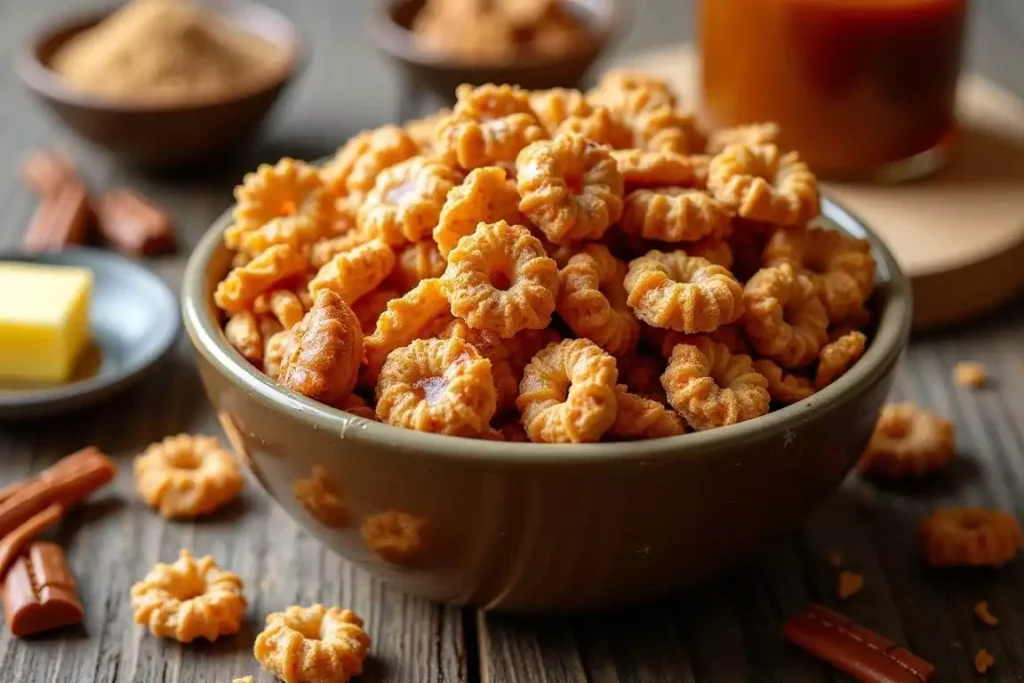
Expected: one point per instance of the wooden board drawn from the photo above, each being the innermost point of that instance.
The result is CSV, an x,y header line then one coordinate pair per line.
x,y
960,233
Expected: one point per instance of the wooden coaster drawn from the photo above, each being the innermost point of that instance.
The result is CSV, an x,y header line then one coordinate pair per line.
x,y
959,234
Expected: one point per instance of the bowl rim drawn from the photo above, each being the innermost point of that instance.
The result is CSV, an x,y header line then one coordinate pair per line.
x,y
40,78
887,344
397,41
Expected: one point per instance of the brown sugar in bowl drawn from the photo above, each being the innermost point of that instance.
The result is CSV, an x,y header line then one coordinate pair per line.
x,y
162,134
542,527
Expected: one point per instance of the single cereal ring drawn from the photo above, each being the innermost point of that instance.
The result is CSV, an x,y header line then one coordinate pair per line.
x,y
592,300
405,202
437,385
666,129
186,476
486,196
355,272
711,387
571,188
840,266
681,292
324,351
836,357
320,496
282,204
397,537
553,107
191,598
784,318
419,313
674,215
783,387
492,347
312,645
643,418
369,307
567,394
641,168
752,135
354,168
237,292
970,537
760,183
490,123
417,261
242,330
908,442
501,279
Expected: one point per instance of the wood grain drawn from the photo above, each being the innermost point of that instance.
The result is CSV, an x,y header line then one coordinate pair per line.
x,y
728,632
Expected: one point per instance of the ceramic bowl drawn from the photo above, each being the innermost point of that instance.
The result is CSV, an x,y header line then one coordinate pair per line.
x,y
162,134
538,527
390,22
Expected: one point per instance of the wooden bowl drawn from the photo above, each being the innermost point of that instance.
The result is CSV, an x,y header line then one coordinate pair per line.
x,y
390,27
161,134
533,527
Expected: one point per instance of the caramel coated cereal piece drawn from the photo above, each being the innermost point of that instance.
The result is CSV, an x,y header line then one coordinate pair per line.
x,y
850,583
353,273
493,348
643,418
837,357
674,215
486,196
405,202
784,318
501,279
324,351
355,166
600,126
284,305
242,331
282,204
555,106
984,615
970,537
421,312
592,300
437,385
970,374
983,661
642,168
243,284
571,188
567,394
841,267
783,387
187,476
908,442
396,537
273,353
676,291
489,124
711,387
760,183
313,644
191,598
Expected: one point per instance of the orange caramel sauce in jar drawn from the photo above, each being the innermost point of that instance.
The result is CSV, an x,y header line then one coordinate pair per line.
x,y
859,87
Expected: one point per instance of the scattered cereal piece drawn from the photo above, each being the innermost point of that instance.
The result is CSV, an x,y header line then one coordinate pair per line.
x,y
970,537
983,661
970,374
908,442
984,616
187,476
396,537
189,599
850,583
312,645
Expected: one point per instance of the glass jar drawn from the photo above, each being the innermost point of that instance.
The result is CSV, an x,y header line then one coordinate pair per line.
x,y
861,88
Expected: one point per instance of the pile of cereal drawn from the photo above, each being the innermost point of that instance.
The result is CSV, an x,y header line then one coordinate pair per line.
x,y
550,266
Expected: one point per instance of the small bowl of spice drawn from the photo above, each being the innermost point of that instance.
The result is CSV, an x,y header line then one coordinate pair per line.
x,y
164,82
538,44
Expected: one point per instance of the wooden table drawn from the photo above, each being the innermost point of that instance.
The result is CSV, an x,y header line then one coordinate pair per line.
x,y
728,631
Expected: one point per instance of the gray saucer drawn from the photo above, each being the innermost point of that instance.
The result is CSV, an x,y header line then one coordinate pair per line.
x,y
133,322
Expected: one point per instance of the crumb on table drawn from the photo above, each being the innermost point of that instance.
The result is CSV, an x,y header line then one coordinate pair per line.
x,y
984,616
983,661
970,374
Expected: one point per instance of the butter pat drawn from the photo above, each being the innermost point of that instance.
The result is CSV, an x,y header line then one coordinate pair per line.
x,y
44,320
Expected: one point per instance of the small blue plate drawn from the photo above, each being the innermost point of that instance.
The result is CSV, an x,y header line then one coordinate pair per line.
x,y
133,322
